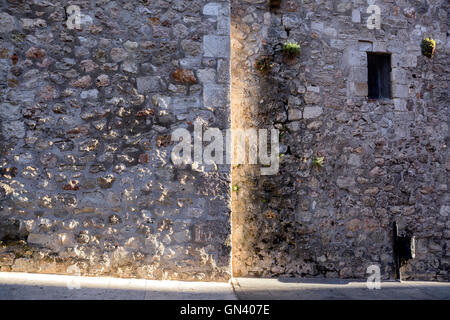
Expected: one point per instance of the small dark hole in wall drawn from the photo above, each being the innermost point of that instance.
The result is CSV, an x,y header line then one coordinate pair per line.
x,y
379,75
275,4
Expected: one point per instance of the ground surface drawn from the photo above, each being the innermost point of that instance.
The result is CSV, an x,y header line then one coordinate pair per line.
x,y
54,287
321,289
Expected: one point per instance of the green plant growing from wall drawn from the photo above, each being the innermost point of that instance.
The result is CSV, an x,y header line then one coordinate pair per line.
x,y
318,162
274,3
290,49
264,65
428,46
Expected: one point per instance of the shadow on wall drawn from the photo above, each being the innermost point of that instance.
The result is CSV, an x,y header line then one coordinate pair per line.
x,y
265,236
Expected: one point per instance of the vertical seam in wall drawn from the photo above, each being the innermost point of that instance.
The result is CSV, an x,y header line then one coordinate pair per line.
x,y
231,142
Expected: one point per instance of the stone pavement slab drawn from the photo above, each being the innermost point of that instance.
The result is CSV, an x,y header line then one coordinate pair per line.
x,y
28,286
325,289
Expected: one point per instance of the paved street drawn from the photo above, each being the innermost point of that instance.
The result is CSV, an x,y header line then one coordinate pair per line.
x,y
27,286
321,289
50,287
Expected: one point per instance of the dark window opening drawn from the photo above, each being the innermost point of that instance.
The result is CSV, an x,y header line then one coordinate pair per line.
x,y
379,69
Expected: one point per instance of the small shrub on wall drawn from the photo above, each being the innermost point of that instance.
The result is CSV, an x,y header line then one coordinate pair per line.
x,y
264,65
290,49
428,47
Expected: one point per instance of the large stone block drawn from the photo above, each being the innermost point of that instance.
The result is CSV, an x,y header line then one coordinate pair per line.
x,y
223,71
215,96
9,111
216,46
400,91
212,8
206,75
223,25
400,76
355,58
400,105
356,16
365,46
404,60
359,74
359,89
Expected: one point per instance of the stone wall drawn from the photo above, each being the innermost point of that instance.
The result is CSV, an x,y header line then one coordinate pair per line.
x,y
87,183
384,160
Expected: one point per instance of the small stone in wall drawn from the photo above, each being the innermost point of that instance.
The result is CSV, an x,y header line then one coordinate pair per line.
x,y
144,158
106,182
17,71
315,125
131,45
354,225
65,64
163,141
149,84
89,145
377,171
295,114
409,13
6,259
102,80
444,211
118,54
145,113
30,24
88,65
291,6
83,238
130,67
73,185
184,76
83,82
372,191
114,219
345,182
35,53
49,160
89,94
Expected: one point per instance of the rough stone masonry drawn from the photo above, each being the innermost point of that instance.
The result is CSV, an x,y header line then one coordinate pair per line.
x,y
86,115
383,160
87,184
